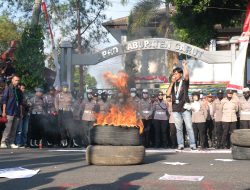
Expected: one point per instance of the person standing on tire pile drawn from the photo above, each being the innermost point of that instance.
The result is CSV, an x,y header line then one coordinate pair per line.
x,y
199,115
229,117
160,121
51,131
12,105
37,119
145,112
64,108
244,109
178,88
89,107
217,115
210,133
172,128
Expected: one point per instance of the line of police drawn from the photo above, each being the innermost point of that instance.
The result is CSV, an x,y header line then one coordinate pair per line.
x,y
60,120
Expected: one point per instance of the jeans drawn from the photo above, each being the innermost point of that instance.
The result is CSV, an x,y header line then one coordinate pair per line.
x,y
178,119
9,132
22,131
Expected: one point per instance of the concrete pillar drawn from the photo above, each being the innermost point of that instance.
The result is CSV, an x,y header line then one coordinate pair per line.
x,y
66,63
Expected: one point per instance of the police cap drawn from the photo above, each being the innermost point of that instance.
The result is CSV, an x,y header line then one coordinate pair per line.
x,y
132,89
39,89
65,85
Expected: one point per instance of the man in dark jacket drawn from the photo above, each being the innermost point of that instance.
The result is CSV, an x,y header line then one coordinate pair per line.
x,y
12,101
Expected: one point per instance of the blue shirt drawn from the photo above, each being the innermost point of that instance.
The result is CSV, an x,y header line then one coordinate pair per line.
x,y
12,97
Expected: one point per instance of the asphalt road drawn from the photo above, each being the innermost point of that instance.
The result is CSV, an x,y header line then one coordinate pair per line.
x,y
68,170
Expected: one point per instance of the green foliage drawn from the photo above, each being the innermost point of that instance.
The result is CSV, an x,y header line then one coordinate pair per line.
x,y
8,32
90,81
29,57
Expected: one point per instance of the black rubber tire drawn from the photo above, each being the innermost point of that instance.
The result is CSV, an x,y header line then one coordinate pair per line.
x,y
117,136
241,137
240,153
115,155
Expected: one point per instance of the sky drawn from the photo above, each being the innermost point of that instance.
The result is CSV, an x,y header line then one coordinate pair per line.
x,y
114,65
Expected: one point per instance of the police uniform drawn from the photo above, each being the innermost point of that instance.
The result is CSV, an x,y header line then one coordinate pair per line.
x,y
217,115
199,115
145,113
244,109
160,121
78,128
229,118
64,107
172,128
134,99
52,131
37,119
89,107
103,103
210,129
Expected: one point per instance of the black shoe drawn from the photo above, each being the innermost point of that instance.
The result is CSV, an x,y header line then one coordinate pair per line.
x,y
193,148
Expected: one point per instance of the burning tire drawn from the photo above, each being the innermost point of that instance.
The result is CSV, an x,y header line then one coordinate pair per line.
x,y
241,153
115,155
117,136
241,137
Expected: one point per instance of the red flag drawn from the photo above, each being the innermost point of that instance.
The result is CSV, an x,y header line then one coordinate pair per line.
x,y
246,25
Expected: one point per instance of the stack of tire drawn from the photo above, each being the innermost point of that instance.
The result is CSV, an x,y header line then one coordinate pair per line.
x,y
240,140
114,146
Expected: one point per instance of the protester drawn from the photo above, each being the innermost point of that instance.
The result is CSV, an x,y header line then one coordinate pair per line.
x,y
178,88
22,129
12,102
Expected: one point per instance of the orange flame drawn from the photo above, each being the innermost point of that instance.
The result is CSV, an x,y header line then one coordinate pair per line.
x,y
119,115
119,81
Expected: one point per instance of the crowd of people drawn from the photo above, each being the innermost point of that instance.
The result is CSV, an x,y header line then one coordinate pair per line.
x,y
58,119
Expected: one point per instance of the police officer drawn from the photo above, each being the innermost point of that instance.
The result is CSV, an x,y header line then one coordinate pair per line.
x,y
244,108
37,119
77,116
160,121
145,112
51,130
134,99
103,103
172,128
210,130
151,131
63,105
89,107
229,117
217,115
199,115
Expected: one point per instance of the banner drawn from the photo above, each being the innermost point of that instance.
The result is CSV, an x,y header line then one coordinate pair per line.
x,y
238,69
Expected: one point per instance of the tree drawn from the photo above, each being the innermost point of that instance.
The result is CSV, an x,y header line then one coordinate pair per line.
x,y
8,32
193,21
29,57
90,81
81,20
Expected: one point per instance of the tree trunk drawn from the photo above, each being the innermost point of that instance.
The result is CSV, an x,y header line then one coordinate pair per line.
x,y
36,13
79,47
170,57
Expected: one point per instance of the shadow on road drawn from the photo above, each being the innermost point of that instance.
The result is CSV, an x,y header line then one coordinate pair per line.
x,y
123,183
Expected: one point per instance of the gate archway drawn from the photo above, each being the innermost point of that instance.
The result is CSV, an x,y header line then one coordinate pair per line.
x,y
70,58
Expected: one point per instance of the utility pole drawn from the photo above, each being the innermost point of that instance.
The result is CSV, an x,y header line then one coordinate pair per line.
x,y
36,13
79,45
